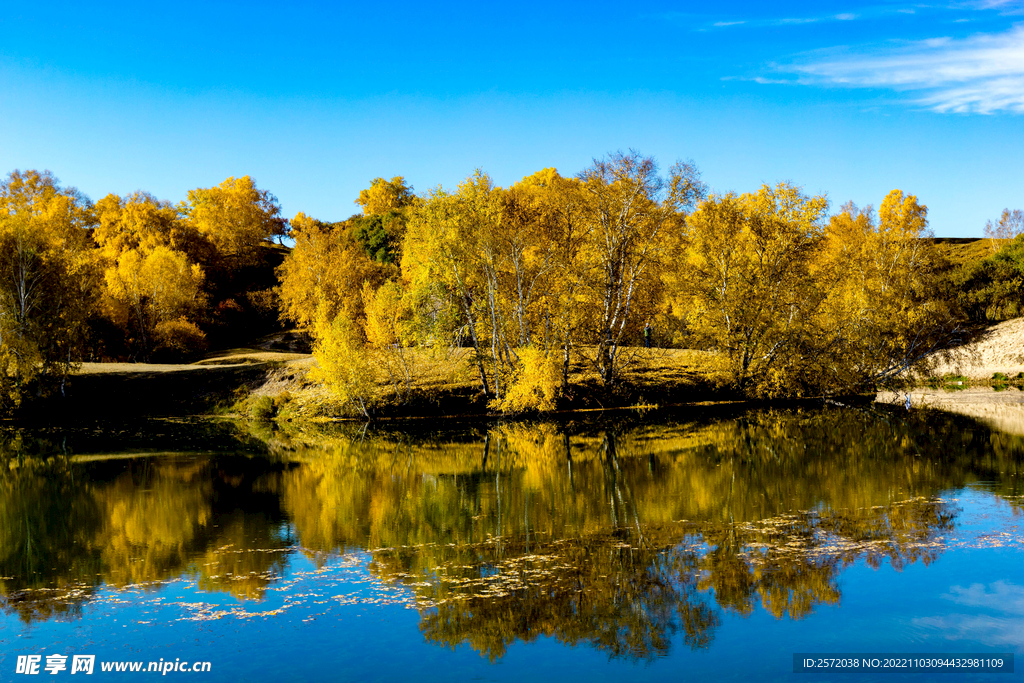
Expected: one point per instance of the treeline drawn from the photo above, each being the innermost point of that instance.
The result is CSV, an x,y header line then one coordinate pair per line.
x,y
127,278
555,270
523,283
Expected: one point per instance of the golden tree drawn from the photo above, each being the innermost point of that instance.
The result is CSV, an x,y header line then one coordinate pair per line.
x,y
326,269
635,228
443,264
46,281
155,287
389,330
237,217
343,363
551,263
800,306
386,195
566,288
885,312
149,282
749,288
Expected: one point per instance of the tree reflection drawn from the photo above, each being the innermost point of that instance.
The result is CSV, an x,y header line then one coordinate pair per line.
x,y
64,530
625,538
45,530
531,531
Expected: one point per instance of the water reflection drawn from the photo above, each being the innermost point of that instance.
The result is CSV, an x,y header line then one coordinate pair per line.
x,y
619,538
67,529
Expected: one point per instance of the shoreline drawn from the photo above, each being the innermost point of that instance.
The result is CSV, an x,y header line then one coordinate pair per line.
x,y
1000,409
272,386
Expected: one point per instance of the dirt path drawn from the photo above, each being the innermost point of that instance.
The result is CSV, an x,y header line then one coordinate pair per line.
x,y
235,358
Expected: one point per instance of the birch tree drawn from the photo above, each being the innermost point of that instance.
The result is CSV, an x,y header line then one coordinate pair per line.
x,y
46,281
634,224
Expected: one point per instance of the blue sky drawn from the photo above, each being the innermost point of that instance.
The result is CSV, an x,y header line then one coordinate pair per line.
x,y
314,100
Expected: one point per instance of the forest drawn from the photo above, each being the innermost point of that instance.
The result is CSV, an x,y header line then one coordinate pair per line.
x,y
519,283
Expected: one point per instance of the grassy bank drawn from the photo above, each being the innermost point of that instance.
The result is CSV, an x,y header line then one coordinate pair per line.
x,y
116,390
270,379
261,384
449,386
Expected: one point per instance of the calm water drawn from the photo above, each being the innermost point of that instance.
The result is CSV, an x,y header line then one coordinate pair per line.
x,y
709,545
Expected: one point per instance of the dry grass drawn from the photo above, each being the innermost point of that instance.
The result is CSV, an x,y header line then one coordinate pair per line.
x,y
670,367
966,250
233,358
239,356
448,382
444,382
130,368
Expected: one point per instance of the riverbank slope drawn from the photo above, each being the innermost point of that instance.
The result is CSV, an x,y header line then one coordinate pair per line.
x,y
999,349
274,383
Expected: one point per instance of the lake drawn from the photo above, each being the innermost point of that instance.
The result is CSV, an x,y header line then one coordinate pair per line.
x,y
706,543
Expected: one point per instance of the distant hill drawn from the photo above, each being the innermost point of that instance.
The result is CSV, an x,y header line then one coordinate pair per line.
x,y
964,250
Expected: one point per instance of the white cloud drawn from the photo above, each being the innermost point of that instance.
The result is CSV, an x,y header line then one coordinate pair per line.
x,y
1001,597
981,74
992,631
1005,6
1002,7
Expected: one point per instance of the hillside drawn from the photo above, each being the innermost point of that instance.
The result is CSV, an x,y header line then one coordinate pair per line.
x,y
1000,349
963,250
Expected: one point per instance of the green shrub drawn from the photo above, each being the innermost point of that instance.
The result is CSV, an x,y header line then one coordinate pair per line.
x,y
262,408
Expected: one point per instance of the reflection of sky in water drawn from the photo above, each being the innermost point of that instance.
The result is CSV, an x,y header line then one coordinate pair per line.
x,y
1001,617
1001,596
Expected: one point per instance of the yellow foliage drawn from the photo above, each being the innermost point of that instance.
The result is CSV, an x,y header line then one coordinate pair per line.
x,y
803,306
236,216
343,363
181,338
326,268
151,288
140,221
386,195
386,313
535,385
883,299
149,277
46,280
388,331
748,285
